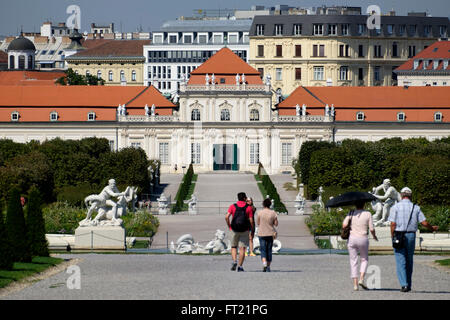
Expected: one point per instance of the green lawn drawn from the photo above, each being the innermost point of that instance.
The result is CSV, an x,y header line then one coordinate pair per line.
x,y
445,262
22,270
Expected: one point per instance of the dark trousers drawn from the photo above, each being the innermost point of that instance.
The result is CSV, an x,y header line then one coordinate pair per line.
x,y
265,246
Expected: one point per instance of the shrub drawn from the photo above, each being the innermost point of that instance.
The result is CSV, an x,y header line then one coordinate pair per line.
x,y
322,222
6,258
36,225
140,224
183,190
16,228
436,216
75,195
61,217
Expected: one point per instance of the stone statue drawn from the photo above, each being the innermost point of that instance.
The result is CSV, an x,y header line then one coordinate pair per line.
x,y
256,245
327,110
300,201
108,211
237,79
243,78
319,198
332,110
268,80
153,109
304,110
390,197
119,110
297,110
218,245
147,110
163,204
192,203
207,79
213,79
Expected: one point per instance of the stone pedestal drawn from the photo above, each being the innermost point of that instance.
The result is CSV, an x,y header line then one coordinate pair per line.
x,y
104,237
385,240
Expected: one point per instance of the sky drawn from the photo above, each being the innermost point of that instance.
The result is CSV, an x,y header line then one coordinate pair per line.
x,y
149,15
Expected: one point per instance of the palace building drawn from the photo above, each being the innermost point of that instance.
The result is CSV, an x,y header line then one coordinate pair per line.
x,y
223,117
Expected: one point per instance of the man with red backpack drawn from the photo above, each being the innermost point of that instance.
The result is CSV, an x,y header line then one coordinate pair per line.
x,y
241,224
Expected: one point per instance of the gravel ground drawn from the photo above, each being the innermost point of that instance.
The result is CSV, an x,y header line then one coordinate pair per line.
x,y
176,277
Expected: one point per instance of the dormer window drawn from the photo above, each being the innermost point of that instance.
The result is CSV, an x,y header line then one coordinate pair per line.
x,y
401,116
435,64
438,117
91,116
416,64
360,116
15,116
53,116
445,66
278,29
259,29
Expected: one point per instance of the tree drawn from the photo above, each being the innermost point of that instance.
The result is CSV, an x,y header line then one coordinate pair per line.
x,y
6,258
36,225
16,228
71,78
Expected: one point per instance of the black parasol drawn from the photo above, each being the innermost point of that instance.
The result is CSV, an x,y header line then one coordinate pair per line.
x,y
350,198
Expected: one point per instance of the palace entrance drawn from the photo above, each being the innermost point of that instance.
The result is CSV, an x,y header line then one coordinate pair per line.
x,y
225,157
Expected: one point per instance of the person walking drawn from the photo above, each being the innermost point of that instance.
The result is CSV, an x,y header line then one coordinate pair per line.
x,y
360,220
252,233
267,221
241,225
404,217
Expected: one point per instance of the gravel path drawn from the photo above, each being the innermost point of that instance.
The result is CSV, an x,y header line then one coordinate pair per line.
x,y
120,276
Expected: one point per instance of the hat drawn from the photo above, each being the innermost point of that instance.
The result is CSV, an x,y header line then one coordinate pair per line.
x,y
406,190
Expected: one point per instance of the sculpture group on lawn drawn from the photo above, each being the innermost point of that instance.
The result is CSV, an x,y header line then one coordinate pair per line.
x,y
108,210
382,209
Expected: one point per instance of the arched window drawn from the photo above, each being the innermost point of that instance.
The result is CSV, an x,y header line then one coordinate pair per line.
x,y
225,115
195,115
254,115
11,62
99,74
110,76
438,117
22,62
122,76
401,116
133,75
30,62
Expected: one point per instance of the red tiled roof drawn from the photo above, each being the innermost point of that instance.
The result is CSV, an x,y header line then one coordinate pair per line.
x,y
225,64
438,50
72,103
378,102
29,78
115,48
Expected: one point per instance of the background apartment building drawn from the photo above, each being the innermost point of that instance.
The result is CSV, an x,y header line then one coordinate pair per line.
x,y
338,49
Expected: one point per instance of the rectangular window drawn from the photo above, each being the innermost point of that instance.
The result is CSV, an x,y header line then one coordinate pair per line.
x,y
279,50
315,50
136,145
395,49
390,29
188,39
443,31
232,38
158,38
261,72
377,51
361,29
412,29
343,73
318,29
202,38
298,50
298,73
164,152
278,29
259,29
332,29
377,74
286,153
427,30
345,29
361,74
322,50
172,39
401,29
195,153
318,73
361,51
411,51
297,29
217,38
260,50
278,74
254,153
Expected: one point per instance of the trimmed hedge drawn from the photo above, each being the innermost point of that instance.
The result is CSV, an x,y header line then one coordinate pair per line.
x,y
422,165
270,190
183,190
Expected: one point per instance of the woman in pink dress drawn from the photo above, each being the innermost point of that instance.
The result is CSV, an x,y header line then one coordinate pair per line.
x,y
358,242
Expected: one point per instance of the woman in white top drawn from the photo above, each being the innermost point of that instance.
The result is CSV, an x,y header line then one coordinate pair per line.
x,y
358,242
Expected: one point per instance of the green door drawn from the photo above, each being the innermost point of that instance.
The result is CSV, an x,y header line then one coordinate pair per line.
x,y
225,157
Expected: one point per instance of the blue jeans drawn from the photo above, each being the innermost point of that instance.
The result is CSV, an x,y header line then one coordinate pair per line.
x,y
404,260
265,246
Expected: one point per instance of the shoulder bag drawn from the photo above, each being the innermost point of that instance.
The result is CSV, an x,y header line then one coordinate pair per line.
x,y
398,240
345,232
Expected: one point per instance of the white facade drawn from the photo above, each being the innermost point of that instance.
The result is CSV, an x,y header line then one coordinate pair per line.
x,y
424,80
